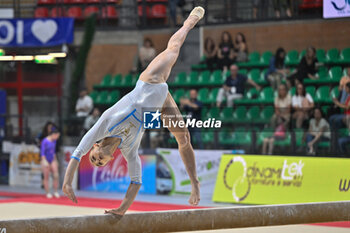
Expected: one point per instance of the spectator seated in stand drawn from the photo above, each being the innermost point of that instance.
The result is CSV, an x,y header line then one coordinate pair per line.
x,y
193,108
241,48
277,4
225,51
282,103
277,71
210,52
302,103
307,68
279,134
319,131
234,87
337,120
84,104
91,119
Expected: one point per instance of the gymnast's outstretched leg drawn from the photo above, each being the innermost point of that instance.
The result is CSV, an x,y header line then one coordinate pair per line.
x,y
183,140
159,69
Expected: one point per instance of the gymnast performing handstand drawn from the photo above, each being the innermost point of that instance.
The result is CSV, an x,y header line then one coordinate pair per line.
x,y
121,125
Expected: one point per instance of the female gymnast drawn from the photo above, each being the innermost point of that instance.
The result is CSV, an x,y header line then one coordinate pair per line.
x,y
121,125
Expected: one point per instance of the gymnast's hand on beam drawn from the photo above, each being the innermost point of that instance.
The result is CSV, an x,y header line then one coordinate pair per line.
x,y
68,191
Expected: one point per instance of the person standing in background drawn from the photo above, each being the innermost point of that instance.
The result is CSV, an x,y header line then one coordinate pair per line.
x,y
193,108
210,52
241,48
147,53
84,104
225,51
49,164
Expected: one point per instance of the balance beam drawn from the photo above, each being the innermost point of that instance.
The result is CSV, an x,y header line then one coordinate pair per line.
x,y
187,220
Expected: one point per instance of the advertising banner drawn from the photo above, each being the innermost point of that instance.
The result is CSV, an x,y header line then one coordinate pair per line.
x,y
114,176
207,162
255,179
36,32
25,169
336,8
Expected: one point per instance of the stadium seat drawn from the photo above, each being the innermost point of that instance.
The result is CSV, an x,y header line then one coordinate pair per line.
x,y
226,115
322,94
207,136
109,12
334,93
43,2
91,10
178,94
240,71
254,75
94,95
213,94
262,77
265,58
266,114
332,56
217,78
192,79
250,97
239,114
203,95
105,81
102,98
226,137
140,11
252,114
292,91
204,78
75,12
335,74
213,112
116,81
321,55
41,12
299,134
292,58
254,59
266,95
311,90
180,79
57,12
345,56
135,78
127,81
158,11
302,54
113,97
242,137
76,1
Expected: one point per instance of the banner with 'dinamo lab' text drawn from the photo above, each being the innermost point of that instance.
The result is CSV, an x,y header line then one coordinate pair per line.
x,y
281,180
36,32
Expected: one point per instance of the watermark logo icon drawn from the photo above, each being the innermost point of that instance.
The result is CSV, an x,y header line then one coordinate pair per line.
x,y
151,119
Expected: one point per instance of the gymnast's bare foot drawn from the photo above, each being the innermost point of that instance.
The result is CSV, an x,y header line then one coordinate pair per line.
x,y
116,212
196,14
195,195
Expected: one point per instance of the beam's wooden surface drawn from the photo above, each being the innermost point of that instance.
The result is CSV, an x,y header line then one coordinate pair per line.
x,y
187,220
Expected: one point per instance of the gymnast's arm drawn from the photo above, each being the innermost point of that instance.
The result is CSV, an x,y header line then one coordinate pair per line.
x,y
134,167
96,133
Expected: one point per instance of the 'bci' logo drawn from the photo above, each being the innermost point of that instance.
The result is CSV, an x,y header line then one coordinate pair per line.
x,y
344,185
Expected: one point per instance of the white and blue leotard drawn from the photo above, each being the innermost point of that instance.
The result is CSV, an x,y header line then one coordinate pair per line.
x,y
124,120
